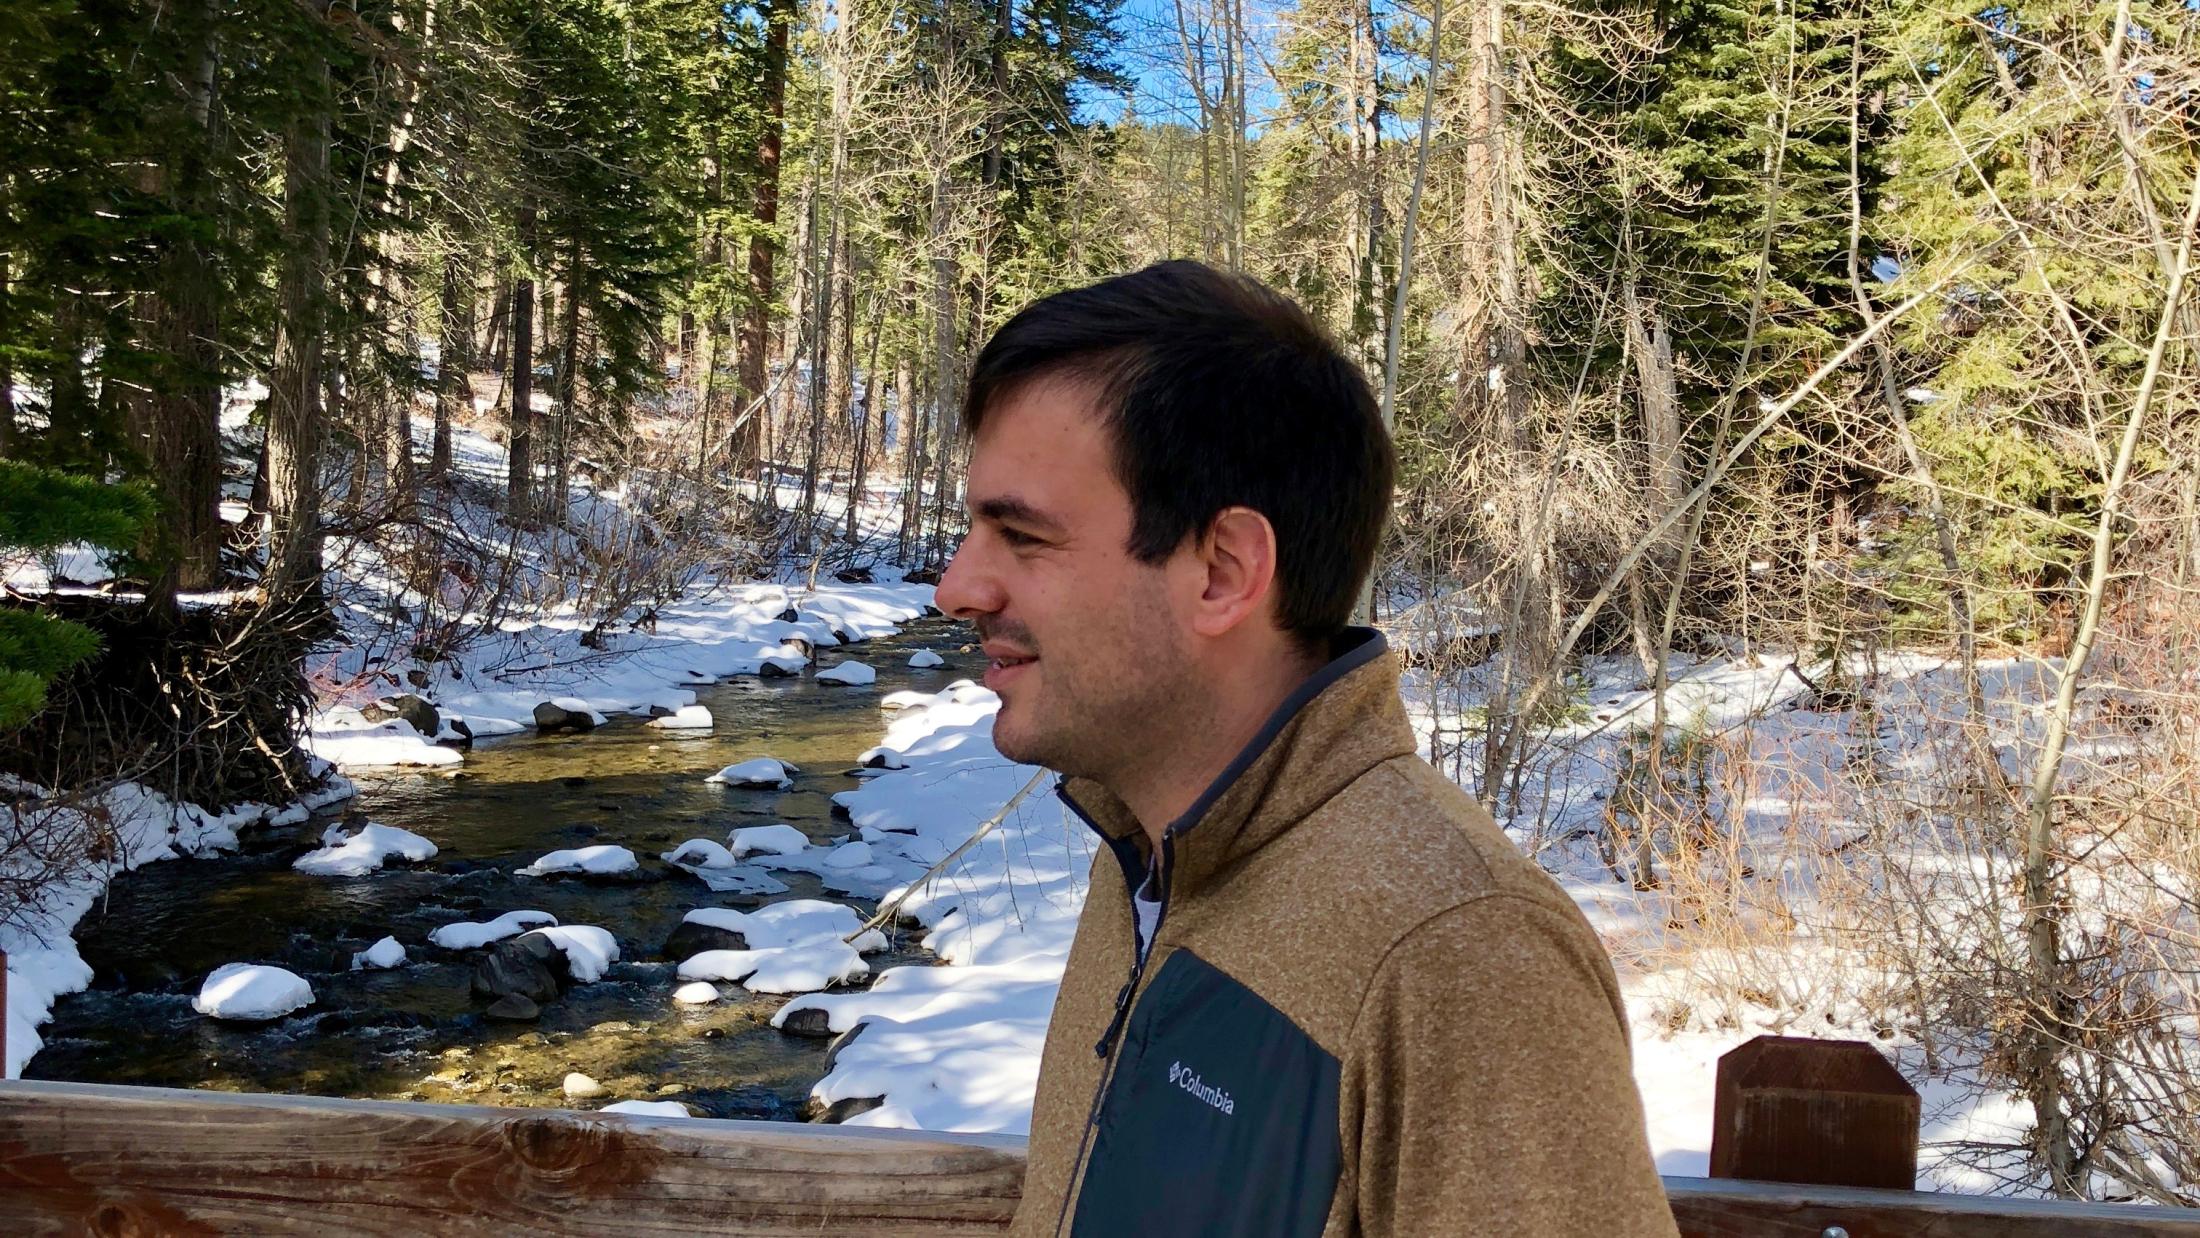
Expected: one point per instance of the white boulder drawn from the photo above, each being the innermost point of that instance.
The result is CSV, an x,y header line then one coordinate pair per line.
x,y
761,772
686,718
779,839
852,673
467,935
601,860
363,852
381,956
251,992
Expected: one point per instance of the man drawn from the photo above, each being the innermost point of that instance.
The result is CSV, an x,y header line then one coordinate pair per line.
x,y
1315,990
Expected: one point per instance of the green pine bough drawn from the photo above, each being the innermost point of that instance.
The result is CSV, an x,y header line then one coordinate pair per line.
x,y
42,509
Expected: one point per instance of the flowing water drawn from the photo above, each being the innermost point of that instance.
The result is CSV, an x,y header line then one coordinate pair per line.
x,y
416,1032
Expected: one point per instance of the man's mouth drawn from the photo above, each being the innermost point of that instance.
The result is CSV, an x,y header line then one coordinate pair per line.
x,y
1002,664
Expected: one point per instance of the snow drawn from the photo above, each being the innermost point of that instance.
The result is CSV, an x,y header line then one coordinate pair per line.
x,y
793,947
794,922
698,993
854,674
760,772
251,992
467,935
382,955
142,826
589,951
957,1047
779,839
700,853
925,660
686,718
78,563
801,968
349,740
649,1108
363,852
601,860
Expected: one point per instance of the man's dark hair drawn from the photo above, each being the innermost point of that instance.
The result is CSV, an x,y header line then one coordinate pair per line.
x,y
1218,392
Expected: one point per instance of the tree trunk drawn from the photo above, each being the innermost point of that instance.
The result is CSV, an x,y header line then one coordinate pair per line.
x,y
7,367
496,343
177,421
453,380
1492,383
860,476
755,341
909,429
943,343
295,416
569,385
1004,23
519,479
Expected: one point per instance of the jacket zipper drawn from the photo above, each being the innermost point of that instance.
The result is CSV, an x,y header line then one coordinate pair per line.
x,y
1125,998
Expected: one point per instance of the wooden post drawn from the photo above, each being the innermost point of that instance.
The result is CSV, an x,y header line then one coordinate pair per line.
x,y
1832,1112
3,1014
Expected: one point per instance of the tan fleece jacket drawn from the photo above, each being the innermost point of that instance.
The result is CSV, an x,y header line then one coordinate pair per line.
x,y
1364,1011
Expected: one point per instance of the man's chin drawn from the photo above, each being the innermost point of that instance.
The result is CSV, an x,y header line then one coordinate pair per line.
x,y
1018,745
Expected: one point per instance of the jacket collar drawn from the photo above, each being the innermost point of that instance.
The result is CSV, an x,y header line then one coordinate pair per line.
x,y
1343,721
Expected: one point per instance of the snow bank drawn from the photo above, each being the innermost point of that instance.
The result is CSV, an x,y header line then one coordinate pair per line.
x,y
761,772
349,740
794,922
363,852
804,968
925,660
957,1047
601,860
251,992
467,935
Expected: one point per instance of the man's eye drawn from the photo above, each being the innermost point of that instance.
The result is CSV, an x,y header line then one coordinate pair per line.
x,y
1017,537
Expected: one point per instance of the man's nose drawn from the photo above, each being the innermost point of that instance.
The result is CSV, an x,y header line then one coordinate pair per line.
x,y
966,590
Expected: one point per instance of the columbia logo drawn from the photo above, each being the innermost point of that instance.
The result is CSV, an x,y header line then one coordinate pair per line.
x,y
1189,1081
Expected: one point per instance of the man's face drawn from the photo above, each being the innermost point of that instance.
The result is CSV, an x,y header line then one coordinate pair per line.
x,y
1082,642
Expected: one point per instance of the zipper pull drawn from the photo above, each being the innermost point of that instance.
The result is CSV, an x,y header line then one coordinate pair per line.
x,y
1122,1011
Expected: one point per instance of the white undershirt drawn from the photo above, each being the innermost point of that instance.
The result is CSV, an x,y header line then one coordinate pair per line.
x,y
1149,915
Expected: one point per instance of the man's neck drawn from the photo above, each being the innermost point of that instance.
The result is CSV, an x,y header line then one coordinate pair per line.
x,y
1178,768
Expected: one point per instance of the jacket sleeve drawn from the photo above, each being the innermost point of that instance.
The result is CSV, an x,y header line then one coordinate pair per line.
x,y
1488,1085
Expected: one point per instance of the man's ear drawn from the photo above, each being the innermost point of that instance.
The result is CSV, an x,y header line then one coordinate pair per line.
x,y
1238,554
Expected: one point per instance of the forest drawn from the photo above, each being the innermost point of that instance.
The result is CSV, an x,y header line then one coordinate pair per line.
x,y
1847,345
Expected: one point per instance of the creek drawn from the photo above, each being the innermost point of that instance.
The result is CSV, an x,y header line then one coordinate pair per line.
x,y
416,1032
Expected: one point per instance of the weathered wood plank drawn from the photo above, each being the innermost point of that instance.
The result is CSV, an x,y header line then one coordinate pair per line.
x,y
1728,1208
77,1158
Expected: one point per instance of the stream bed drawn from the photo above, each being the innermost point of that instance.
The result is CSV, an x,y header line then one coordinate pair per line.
x,y
416,1032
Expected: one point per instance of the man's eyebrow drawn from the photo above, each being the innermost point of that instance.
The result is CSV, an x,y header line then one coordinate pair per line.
x,y
1010,508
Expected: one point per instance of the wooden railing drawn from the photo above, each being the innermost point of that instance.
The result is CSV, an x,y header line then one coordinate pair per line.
x,y
91,1158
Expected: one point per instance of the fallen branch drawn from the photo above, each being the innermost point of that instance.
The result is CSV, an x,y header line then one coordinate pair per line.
x,y
891,907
